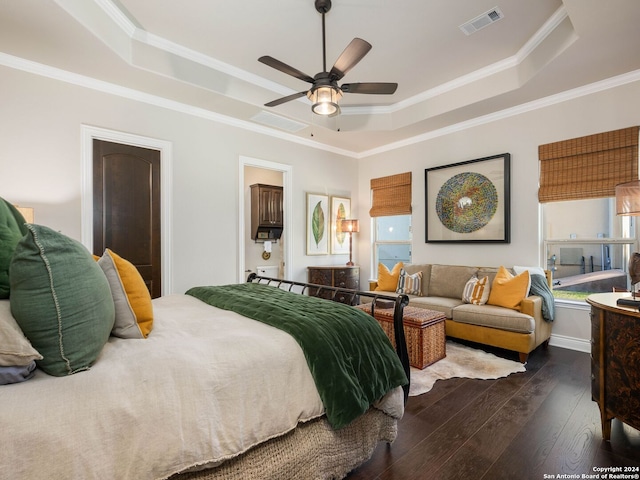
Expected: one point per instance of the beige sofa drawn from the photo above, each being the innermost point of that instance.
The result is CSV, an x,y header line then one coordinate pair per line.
x,y
442,288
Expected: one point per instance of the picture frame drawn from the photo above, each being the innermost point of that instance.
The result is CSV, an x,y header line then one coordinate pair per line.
x,y
340,210
469,202
318,224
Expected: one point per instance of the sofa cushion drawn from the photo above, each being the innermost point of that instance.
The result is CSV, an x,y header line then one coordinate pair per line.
x,y
440,304
508,290
409,284
388,280
449,280
425,268
490,272
477,290
495,317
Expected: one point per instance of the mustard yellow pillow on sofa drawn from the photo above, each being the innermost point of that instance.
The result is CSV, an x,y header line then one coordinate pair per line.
x,y
508,290
388,280
134,311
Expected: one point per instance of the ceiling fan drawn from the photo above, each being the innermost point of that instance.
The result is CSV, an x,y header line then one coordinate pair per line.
x,y
325,92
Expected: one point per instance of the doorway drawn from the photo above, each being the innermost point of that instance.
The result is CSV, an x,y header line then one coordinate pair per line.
x,y
126,207
91,134
272,170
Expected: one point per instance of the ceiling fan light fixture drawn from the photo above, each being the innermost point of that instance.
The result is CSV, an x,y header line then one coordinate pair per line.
x,y
324,100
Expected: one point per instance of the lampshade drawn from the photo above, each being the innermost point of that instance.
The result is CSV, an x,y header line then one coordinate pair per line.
x,y
628,198
324,100
350,225
27,213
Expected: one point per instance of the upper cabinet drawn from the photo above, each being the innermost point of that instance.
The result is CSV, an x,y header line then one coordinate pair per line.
x,y
266,212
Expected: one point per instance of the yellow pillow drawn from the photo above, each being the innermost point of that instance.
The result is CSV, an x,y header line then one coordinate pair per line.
x,y
507,290
388,280
134,311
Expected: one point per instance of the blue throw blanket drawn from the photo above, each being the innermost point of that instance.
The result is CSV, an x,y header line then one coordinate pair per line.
x,y
350,358
540,287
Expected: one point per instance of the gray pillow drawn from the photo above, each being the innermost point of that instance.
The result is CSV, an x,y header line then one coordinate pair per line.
x,y
15,349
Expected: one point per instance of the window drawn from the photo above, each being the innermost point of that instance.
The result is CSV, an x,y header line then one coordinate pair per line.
x,y
392,240
391,213
587,247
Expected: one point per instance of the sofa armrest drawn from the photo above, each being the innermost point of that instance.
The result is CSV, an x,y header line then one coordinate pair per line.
x,y
532,305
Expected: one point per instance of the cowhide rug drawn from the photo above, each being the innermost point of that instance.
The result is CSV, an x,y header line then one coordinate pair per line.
x,y
463,362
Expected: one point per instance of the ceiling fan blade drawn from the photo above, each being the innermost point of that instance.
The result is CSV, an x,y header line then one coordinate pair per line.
x,y
283,67
375,88
282,100
351,55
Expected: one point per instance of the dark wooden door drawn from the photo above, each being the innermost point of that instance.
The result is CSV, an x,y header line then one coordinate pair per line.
x,y
126,207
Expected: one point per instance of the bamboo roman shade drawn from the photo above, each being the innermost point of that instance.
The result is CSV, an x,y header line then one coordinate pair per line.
x,y
588,167
391,195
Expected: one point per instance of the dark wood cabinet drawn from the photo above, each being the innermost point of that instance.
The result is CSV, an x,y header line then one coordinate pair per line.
x,y
335,276
615,360
266,212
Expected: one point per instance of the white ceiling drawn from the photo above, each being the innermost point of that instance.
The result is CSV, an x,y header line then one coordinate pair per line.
x,y
201,56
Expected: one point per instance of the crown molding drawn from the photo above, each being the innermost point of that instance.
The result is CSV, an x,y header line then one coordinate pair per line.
x,y
550,100
112,89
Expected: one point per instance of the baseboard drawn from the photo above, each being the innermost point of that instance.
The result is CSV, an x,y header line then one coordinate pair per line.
x,y
570,343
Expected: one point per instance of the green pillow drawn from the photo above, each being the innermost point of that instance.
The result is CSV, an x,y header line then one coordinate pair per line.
x,y
61,299
12,229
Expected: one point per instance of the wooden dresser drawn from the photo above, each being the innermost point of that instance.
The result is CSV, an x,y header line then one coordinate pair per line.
x,y
615,360
341,276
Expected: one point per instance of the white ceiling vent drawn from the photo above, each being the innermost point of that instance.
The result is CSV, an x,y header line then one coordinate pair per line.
x,y
277,121
481,21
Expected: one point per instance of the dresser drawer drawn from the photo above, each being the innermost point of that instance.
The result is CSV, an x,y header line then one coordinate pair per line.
x,y
347,278
336,276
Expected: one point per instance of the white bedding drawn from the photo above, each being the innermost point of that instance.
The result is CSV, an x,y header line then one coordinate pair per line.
x,y
227,384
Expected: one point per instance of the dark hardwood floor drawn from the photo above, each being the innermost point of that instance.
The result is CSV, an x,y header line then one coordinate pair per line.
x,y
525,426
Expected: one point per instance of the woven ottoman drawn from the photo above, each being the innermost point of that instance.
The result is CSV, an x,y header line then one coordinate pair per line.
x,y
424,330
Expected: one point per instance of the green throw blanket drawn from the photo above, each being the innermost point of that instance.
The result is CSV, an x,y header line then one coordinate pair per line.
x,y
540,287
351,359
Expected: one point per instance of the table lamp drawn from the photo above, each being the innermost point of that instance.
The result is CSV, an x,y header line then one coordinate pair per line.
x,y
351,226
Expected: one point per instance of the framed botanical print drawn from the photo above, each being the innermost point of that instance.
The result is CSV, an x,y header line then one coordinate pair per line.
x,y
469,201
340,210
317,224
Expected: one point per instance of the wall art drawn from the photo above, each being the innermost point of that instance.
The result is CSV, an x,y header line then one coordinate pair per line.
x,y
469,201
340,210
317,224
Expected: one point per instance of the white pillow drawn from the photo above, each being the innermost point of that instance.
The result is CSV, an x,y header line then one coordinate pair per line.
x,y
15,349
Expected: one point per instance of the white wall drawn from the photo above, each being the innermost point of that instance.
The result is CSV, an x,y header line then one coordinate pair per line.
x,y
520,136
40,166
40,163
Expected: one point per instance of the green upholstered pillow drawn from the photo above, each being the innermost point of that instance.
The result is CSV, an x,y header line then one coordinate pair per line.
x,y
61,300
12,229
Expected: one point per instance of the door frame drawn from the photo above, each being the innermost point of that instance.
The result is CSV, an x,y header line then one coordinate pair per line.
x,y
287,233
87,135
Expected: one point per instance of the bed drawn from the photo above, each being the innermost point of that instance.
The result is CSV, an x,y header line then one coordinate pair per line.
x,y
208,393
